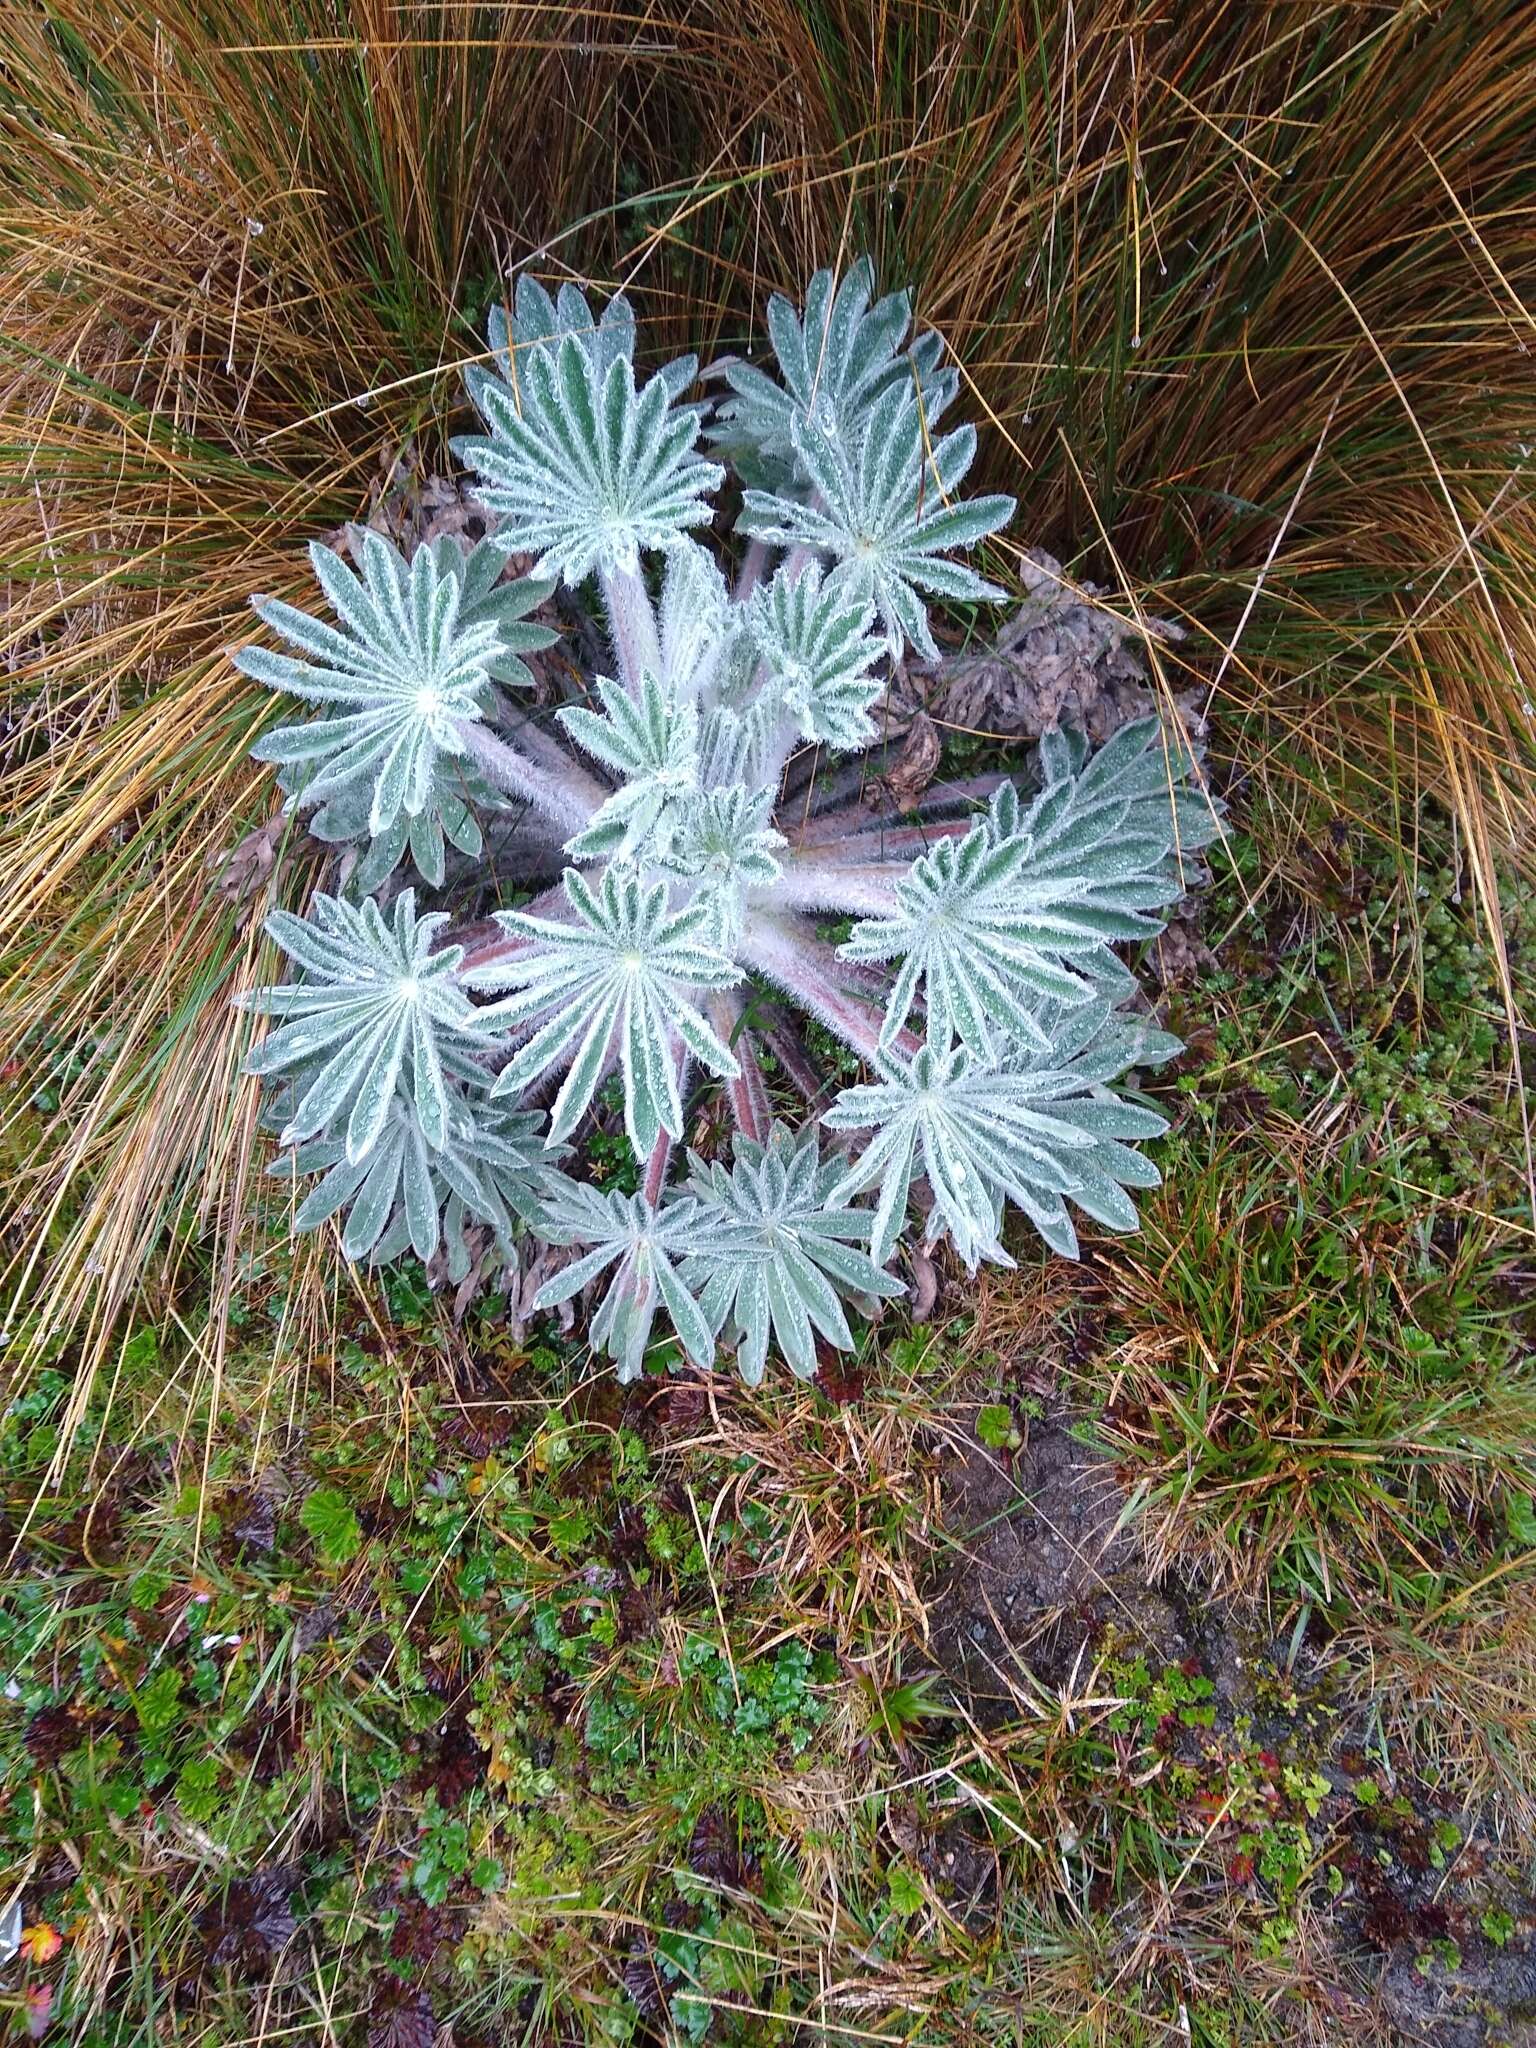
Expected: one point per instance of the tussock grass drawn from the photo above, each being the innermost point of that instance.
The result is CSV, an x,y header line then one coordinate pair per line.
x,y
1315,1362
220,244
1457,1688
1247,299
1244,300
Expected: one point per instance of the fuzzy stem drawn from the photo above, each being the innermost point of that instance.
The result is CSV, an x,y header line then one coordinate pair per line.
x,y
793,959
747,1095
888,845
858,776
569,798
788,1048
862,816
866,890
519,726
655,1178
518,846
776,754
500,945
631,626
754,567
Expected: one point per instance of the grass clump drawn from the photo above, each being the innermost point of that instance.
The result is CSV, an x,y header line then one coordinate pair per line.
x,y
1318,1366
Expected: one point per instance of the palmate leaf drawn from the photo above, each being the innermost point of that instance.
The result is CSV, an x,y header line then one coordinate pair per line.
x,y
888,515
378,1012
626,968
835,360
645,1245
986,941
409,1193
411,664
653,747
489,597
452,817
726,846
1026,907
775,1251
983,1134
1140,789
583,469
539,321
814,641
699,625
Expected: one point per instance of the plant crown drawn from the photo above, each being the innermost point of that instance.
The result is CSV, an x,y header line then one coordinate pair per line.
x,y
681,836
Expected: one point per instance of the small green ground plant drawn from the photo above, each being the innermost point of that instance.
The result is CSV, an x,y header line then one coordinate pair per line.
x,y
500,1694
1337,1372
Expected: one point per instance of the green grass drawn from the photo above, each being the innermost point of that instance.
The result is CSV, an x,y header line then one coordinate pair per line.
x,y
1325,1341
1317,1361
482,1688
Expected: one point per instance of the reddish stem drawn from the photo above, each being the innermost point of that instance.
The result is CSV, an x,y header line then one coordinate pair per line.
x,y
747,1094
500,945
655,1178
811,975
890,844
788,1049
850,819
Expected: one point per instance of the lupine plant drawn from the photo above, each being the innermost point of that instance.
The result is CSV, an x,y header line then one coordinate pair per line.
x,y
696,885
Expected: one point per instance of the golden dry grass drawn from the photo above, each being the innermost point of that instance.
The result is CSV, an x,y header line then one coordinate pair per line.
x,y
209,256
1243,296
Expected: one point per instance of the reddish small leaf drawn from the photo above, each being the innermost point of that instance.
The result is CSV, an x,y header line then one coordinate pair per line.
x,y
400,2016
40,1944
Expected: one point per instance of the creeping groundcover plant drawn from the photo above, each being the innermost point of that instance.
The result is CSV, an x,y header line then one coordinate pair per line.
x,y
695,890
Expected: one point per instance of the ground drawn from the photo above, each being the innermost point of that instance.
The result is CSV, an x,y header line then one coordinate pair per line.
x,y
1134,1645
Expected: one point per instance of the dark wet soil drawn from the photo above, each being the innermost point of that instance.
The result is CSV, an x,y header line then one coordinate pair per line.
x,y
1042,1576
1046,1570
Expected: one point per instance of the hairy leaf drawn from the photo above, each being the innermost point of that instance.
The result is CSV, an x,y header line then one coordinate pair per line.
x,y
378,1014
625,971
644,1245
653,747
411,663
1026,907
726,847
407,1193
583,468
775,1251
888,515
836,360
814,641
1033,1133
